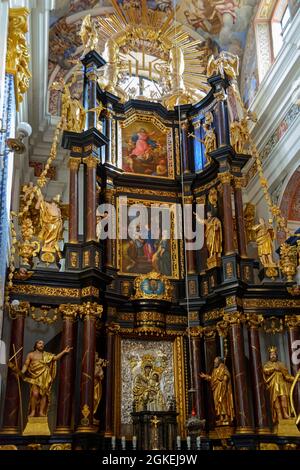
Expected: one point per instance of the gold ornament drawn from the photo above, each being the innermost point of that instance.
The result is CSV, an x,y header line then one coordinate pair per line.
x,y
239,135
17,57
264,236
88,34
288,260
226,63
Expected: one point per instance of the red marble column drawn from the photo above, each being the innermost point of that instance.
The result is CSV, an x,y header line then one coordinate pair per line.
x,y
89,312
242,408
258,384
66,373
111,331
239,215
73,200
211,351
108,132
197,384
228,229
293,326
90,187
12,397
109,199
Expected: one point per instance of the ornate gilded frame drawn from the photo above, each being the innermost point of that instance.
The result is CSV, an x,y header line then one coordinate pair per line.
x,y
146,116
175,246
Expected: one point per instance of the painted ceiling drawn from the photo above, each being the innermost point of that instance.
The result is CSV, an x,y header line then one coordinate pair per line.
x,y
220,24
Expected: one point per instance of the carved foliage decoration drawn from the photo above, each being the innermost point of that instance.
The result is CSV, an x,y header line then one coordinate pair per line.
x,y
17,58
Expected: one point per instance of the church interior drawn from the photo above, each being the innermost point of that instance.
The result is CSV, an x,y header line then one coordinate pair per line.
x,y
150,225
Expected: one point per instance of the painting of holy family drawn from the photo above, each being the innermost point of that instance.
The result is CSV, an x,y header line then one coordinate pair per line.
x,y
145,150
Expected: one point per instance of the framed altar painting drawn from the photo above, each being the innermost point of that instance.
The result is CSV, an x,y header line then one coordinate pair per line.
x,y
146,147
143,253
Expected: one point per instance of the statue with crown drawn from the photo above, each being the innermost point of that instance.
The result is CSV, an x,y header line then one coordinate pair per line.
x,y
280,385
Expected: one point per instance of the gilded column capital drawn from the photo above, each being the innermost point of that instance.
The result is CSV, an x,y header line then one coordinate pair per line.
x,y
69,311
17,57
89,310
195,331
185,125
92,76
21,310
74,163
234,318
209,332
222,328
239,182
113,329
292,321
225,177
90,161
254,320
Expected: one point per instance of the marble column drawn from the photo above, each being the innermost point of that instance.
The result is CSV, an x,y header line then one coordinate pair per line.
x,y
89,313
239,376
92,98
292,323
90,186
73,199
66,371
185,146
12,396
239,216
108,132
211,351
258,384
228,230
109,242
196,360
111,332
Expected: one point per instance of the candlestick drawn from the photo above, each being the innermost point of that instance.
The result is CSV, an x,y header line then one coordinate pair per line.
x,y
113,442
188,442
123,442
134,442
178,441
198,442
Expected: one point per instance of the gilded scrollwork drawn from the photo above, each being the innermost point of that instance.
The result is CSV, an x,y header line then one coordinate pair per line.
x,y
17,57
152,286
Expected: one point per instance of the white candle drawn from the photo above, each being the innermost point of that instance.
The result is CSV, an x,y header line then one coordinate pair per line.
x,y
134,441
198,442
113,442
178,440
123,441
188,442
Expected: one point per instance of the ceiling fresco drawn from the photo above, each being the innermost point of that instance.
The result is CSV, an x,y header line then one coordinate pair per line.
x,y
219,24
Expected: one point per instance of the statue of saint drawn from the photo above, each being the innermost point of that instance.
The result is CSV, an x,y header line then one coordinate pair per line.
x,y
213,234
264,235
278,382
39,371
99,375
239,135
220,383
146,390
51,223
88,34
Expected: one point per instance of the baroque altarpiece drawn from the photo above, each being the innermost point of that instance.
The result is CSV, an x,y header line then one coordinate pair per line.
x,y
153,343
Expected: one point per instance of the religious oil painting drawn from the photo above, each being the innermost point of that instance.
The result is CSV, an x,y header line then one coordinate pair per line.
x,y
146,251
147,148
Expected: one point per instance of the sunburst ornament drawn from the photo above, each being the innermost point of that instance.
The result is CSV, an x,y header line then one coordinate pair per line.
x,y
142,42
